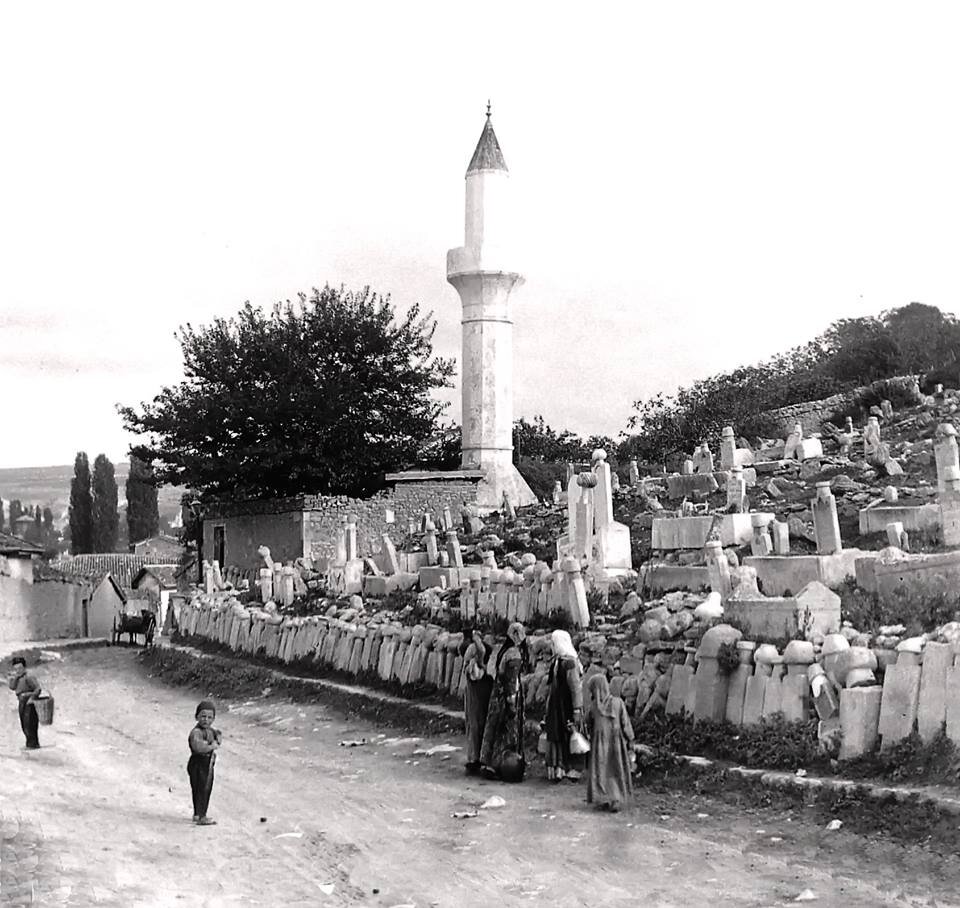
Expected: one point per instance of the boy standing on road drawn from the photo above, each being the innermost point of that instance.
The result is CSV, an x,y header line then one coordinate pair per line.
x,y
26,687
204,740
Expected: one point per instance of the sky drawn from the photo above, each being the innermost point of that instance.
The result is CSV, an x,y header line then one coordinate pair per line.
x,y
698,185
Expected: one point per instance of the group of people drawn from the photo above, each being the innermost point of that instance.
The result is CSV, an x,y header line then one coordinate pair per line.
x,y
204,740
494,713
494,718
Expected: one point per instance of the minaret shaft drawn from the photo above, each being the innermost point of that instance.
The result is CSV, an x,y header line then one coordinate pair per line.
x,y
483,274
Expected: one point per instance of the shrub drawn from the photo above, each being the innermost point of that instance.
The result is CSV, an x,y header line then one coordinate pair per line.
x,y
866,612
772,744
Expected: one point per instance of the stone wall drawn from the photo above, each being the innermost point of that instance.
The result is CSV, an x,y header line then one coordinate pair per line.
x,y
407,501
310,524
812,414
43,610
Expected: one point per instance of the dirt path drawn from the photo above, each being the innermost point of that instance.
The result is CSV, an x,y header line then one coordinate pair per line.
x,y
102,817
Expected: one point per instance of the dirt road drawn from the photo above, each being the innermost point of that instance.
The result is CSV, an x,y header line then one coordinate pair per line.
x,y
101,816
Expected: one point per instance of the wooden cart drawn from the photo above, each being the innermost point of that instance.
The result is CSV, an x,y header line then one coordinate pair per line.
x,y
135,624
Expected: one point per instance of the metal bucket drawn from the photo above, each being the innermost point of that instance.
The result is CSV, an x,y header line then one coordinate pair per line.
x,y
44,707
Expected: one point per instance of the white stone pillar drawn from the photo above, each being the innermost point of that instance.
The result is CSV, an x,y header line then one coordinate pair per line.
x,y
483,273
826,525
946,453
728,448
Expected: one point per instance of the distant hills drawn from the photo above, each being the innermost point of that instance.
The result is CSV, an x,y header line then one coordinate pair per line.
x,y
49,487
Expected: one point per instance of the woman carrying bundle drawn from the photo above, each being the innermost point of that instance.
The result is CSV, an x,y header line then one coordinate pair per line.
x,y
501,756
564,713
476,698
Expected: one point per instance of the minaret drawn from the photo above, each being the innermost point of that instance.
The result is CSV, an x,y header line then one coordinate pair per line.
x,y
483,274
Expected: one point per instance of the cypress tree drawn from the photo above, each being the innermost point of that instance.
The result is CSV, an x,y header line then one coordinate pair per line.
x,y
81,507
143,514
106,519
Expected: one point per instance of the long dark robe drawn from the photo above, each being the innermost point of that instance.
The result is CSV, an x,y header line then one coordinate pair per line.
x,y
476,702
608,781
564,694
503,732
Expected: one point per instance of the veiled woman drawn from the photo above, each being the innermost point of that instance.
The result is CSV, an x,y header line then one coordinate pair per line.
x,y
609,785
476,698
564,711
501,756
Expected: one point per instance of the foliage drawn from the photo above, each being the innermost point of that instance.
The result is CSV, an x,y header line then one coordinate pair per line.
x,y
16,512
106,521
81,507
538,441
919,614
727,658
910,760
851,353
927,338
323,395
541,476
1,516
143,515
771,744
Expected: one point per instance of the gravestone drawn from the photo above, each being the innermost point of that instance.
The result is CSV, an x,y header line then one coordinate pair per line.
x,y
946,453
901,694
826,525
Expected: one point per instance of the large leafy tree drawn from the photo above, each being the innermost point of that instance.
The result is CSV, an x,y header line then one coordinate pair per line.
x,y
927,338
321,395
106,521
143,515
81,507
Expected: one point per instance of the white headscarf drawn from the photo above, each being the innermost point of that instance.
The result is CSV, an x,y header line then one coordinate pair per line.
x,y
563,645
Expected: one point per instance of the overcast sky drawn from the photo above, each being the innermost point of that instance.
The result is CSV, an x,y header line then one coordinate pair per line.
x,y
699,185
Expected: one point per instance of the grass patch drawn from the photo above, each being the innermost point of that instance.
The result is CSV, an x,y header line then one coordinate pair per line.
x,y
235,678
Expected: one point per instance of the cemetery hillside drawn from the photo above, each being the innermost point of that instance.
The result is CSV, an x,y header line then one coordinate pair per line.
x,y
765,568
715,658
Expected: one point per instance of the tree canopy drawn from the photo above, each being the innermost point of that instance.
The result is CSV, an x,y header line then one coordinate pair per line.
x,y
915,339
320,395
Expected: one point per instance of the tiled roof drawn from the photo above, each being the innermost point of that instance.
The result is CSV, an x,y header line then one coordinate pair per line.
x,y
122,566
165,573
487,155
14,545
44,572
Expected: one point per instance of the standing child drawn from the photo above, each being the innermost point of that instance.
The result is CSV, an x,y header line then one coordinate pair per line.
x,y
204,741
26,687
609,785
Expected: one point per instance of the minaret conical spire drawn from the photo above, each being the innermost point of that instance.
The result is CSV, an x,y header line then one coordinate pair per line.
x,y
487,155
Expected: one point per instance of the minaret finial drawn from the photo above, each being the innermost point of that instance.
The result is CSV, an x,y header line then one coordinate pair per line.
x,y
488,108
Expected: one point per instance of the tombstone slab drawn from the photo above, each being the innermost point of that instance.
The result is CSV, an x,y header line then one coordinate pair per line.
x,y
859,720
898,706
932,703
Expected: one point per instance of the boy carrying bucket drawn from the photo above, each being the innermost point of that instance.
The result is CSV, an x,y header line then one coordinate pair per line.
x,y
26,687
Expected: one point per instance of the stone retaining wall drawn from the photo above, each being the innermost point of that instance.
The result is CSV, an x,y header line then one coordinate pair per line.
x,y
813,414
918,690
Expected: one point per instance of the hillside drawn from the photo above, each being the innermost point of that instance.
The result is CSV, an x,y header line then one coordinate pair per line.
x,y
50,487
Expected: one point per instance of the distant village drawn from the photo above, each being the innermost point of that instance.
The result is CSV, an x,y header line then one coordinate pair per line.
x,y
61,580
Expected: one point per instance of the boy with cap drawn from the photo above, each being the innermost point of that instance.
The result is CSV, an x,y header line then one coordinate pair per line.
x,y
26,687
204,740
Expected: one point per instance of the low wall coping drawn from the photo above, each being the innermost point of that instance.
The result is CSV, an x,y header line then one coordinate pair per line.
x,y
435,475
